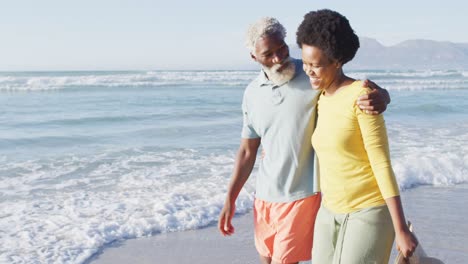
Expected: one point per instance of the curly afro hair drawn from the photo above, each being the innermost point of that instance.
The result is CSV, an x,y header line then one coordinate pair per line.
x,y
329,31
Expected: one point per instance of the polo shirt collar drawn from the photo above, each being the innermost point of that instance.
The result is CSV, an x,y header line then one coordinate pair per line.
x,y
263,80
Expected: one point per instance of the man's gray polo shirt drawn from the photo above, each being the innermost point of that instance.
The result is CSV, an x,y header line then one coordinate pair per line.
x,y
283,117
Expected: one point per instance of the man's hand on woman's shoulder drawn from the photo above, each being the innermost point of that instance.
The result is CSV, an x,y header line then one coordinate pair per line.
x,y
375,102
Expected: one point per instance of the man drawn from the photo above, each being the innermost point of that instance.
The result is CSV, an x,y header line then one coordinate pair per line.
x,y
279,113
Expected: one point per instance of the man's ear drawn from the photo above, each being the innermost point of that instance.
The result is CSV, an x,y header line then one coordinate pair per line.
x,y
253,56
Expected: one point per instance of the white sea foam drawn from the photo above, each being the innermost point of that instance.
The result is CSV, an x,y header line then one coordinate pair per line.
x,y
424,80
414,80
416,85
148,79
64,211
428,155
411,74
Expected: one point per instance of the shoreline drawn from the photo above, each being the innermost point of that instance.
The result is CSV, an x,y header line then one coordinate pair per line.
x,y
438,215
205,245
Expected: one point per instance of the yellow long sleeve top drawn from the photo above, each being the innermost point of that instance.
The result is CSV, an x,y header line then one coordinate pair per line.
x,y
353,153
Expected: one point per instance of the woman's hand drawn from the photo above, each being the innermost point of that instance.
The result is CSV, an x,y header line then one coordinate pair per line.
x,y
406,242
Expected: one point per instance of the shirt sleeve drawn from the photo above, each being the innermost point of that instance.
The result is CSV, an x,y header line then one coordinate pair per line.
x,y
374,136
248,130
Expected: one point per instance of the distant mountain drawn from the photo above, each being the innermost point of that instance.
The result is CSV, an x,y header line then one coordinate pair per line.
x,y
410,54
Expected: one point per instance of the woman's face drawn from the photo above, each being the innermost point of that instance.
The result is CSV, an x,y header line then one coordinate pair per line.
x,y
321,70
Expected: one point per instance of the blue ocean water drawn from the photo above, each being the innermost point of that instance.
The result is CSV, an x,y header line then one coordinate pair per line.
x,y
87,158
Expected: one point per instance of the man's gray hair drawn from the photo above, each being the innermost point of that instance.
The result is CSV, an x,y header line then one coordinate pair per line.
x,y
266,26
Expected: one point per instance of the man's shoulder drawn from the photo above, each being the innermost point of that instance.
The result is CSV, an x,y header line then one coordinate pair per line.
x,y
300,77
297,61
254,84
300,73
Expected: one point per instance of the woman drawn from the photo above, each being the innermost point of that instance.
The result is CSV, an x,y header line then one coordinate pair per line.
x,y
361,209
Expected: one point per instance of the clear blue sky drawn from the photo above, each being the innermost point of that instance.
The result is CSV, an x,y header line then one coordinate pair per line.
x,y
197,34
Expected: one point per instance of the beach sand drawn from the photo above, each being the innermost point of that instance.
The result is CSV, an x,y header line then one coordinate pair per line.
x,y
439,216
204,245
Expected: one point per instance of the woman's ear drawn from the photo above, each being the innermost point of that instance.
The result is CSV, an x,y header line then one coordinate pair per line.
x,y
338,64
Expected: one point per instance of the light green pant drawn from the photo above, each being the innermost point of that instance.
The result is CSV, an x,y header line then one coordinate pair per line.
x,y
361,237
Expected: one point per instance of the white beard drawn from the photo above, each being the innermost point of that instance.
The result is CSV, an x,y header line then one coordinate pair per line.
x,y
286,74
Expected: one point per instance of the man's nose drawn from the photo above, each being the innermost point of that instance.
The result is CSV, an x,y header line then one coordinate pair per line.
x,y
278,58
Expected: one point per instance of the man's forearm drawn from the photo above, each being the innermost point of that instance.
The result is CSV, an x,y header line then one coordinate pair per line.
x,y
245,162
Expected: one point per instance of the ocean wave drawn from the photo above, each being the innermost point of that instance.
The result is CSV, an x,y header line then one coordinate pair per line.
x,y
429,155
144,79
414,170
410,74
155,79
65,210
419,84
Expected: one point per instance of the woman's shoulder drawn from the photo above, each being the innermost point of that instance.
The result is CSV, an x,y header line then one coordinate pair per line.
x,y
358,88
355,89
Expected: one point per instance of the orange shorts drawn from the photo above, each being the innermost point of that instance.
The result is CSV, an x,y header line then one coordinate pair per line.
x,y
284,232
